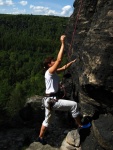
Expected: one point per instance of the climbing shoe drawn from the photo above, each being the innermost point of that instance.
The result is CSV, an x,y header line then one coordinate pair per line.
x,y
85,126
41,140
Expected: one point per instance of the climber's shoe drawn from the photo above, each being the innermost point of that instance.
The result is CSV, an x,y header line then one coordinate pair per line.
x,y
41,140
85,126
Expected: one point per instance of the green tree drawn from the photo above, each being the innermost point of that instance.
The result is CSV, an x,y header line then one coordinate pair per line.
x,y
17,100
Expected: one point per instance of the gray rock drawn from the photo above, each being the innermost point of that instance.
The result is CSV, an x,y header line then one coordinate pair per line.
x,y
32,108
66,146
93,71
39,146
73,138
103,131
72,141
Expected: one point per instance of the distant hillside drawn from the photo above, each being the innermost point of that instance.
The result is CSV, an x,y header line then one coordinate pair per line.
x,y
24,42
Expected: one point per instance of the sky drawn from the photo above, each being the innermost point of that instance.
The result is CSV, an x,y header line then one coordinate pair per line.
x,y
37,7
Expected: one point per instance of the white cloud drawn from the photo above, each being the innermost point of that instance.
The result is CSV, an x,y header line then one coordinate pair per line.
x,y
9,2
66,11
36,10
42,10
23,3
1,2
6,2
18,11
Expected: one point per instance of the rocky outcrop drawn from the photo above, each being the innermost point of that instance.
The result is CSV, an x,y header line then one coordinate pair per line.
x,y
32,109
93,72
24,127
92,46
71,141
103,130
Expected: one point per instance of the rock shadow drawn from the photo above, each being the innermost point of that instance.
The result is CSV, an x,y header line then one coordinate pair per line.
x,y
103,96
85,132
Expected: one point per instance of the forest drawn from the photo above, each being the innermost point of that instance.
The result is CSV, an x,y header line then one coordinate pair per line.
x,y
25,40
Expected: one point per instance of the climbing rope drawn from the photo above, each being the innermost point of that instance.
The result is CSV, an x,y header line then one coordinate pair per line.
x,y
72,40
74,31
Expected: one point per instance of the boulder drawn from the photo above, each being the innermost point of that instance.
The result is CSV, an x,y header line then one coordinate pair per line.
x,y
32,110
39,146
72,141
103,131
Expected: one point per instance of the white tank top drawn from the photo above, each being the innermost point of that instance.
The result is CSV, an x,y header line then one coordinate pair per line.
x,y
51,82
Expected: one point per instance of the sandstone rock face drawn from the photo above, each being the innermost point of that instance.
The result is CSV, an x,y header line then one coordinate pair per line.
x,y
103,130
92,46
90,41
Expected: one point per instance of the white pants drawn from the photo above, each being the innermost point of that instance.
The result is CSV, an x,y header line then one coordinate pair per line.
x,y
61,105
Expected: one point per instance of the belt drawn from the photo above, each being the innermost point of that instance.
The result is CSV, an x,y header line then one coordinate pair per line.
x,y
51,94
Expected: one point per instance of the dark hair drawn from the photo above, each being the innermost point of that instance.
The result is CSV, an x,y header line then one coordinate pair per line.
x,y
47,61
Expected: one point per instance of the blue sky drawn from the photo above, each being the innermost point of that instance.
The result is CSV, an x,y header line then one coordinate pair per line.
x,y
37,7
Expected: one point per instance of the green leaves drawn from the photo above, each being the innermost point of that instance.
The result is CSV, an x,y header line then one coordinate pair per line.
x,y
17,99
25,41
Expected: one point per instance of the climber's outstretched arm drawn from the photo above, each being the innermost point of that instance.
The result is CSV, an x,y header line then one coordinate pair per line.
x,y
53,67
65,66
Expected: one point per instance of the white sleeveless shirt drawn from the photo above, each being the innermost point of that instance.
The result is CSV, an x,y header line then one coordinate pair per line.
x,y
51,82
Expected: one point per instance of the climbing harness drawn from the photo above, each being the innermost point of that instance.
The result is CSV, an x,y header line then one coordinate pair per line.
x,y
43,103
48,102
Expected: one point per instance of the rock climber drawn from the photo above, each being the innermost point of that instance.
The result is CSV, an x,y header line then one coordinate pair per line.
x,y
51,99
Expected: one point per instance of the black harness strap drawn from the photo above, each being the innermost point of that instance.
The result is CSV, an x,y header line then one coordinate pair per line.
x,y
51,95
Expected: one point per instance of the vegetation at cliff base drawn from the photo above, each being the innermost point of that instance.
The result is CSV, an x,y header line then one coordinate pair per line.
x,y
25,40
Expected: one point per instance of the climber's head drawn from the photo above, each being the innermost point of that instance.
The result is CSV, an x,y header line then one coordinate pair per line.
x,y
48,62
